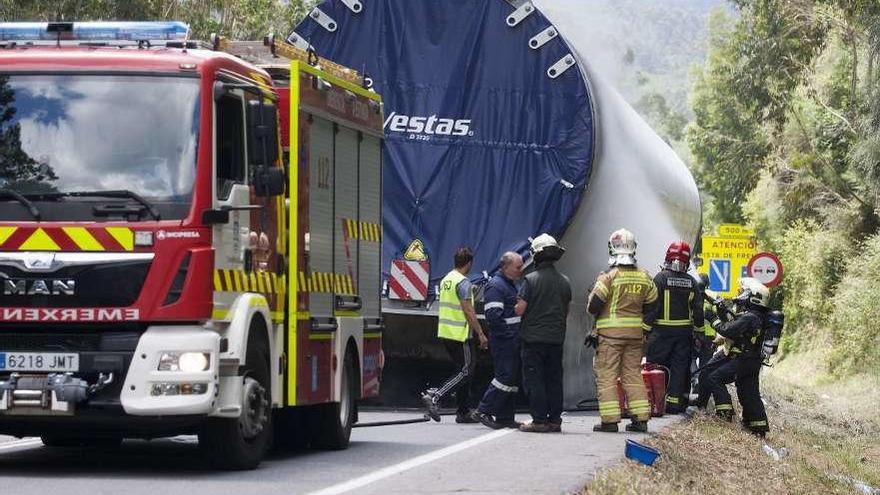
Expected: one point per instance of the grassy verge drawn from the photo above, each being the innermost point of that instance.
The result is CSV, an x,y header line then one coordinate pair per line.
x,y
830,430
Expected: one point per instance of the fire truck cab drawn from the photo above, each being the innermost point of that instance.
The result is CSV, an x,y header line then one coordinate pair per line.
x,y
189,244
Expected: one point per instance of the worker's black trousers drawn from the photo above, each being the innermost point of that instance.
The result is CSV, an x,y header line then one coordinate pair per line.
x,y
464,355
672,348
744,371
542,379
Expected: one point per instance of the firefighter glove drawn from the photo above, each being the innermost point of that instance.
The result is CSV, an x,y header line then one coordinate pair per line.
x,y
592,340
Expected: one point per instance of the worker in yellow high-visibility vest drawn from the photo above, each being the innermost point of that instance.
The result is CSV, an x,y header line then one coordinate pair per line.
x,y
457,325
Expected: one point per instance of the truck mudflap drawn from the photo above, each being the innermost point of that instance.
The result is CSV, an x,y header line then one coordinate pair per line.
x,y
167,376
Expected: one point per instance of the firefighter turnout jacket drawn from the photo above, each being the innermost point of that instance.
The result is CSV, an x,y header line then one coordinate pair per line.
x,y
619,300
679,305
746,332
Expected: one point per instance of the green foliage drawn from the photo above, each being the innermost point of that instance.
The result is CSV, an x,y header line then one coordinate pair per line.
x,y
814,261
856,313
238,19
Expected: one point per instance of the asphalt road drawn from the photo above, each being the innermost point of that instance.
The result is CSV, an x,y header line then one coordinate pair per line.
x,y
417,458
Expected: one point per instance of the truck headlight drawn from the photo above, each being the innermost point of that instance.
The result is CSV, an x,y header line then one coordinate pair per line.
x,y
187,362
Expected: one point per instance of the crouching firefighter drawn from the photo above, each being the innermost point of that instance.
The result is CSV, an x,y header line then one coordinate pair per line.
x,y
618,302
498,406
742,364
672,320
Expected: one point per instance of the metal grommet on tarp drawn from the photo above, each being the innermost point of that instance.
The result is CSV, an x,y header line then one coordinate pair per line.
x,y
543,37
353,5
323,20
560,67
521,13
298,41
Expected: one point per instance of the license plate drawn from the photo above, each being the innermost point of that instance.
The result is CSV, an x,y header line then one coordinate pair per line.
x,y
39,361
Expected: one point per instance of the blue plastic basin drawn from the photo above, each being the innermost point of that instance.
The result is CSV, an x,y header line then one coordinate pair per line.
x,y
641,453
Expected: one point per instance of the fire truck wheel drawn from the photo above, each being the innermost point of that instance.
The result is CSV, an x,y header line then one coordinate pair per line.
x,y
338,418
241,443
55,441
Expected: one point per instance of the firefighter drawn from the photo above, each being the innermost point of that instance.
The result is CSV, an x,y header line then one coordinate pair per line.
x,y
705,335
672,320
498,406
457,325
742,365
543,304
618,301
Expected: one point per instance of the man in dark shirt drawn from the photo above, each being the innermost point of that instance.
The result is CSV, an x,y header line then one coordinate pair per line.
x,y
543,304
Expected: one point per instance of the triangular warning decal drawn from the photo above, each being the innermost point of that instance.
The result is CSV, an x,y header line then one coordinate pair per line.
x,y
415,251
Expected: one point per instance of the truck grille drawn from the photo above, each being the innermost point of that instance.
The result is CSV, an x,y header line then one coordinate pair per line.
x,y
96,285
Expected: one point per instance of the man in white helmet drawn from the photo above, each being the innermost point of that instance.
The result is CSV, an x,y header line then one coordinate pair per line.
x,y
618,301
742,364
543,304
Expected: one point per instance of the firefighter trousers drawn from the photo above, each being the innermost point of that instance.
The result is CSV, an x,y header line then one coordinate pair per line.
x,y
672,348
542,379
500,397
620,358
748,389
704,392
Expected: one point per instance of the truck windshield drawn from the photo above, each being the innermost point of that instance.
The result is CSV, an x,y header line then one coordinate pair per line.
x,y
68,133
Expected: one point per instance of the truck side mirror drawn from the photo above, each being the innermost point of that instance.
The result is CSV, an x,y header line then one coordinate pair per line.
x,y
269,181
262,133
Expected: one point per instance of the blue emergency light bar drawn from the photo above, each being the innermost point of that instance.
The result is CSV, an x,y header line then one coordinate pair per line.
x,y
93,31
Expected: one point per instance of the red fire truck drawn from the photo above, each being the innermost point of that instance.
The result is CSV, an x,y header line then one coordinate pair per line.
x,y
165,268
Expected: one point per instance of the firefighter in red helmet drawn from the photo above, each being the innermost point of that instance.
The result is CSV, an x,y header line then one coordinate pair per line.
x,y
679,309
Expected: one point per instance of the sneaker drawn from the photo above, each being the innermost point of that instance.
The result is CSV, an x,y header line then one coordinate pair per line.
x,y
488,421
509,423
554,427
532,427
637,426
469,417
432,409
606,427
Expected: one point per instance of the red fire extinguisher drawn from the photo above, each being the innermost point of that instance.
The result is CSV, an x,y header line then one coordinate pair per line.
x,y
655,378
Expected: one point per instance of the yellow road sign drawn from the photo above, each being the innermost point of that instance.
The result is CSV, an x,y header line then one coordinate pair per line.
x,y
726,258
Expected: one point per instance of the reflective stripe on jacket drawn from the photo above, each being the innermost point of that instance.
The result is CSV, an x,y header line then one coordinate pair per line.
x,y
451,321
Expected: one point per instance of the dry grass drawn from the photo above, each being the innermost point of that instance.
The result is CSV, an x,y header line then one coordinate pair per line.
x,y
829,429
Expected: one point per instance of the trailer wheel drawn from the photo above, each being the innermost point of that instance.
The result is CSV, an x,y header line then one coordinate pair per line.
x,y
241,443
338,418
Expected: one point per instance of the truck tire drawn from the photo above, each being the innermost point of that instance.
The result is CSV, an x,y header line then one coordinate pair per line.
x,y
337,418
240,443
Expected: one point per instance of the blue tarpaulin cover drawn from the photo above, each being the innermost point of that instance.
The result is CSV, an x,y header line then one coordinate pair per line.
x,y
482,148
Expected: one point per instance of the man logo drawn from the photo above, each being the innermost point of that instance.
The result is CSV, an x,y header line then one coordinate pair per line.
x,y
432,125
38,287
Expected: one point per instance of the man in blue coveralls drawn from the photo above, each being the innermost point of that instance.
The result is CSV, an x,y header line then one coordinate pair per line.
x,y
498,406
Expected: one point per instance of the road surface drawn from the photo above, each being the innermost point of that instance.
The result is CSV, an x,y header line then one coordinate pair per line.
x,y
417,458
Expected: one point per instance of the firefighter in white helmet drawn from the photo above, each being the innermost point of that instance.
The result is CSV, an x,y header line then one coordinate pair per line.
x,y
618,302
742,364
543,305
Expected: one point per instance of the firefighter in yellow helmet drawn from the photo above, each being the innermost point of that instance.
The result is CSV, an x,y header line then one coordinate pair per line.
x,y
618,302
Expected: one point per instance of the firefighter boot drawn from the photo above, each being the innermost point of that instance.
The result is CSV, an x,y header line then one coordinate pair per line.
x,y
637,426
606,427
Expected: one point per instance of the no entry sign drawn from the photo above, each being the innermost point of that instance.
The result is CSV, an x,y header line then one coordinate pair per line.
x,y
767,268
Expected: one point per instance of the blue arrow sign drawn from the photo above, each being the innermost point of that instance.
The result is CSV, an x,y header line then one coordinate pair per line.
x,y
719,275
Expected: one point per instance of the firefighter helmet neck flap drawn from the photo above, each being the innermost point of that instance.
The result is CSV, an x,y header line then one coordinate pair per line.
x,y
678,257
622,248
752,294
545,248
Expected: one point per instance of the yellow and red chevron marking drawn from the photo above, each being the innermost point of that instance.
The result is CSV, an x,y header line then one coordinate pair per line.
x,y
66,239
